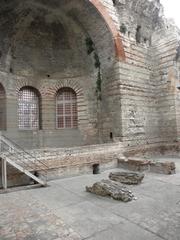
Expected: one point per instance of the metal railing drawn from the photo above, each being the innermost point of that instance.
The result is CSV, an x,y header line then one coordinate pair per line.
x,y
10,149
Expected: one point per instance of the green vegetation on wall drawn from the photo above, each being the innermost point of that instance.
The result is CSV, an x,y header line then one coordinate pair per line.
x,y
92,49
90,45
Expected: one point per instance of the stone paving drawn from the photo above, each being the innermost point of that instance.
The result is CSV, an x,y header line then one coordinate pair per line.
x,y
64,210
24,218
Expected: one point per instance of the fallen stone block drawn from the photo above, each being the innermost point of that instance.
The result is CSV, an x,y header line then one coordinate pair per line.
x,y
163,167
113,189
134,164
127,177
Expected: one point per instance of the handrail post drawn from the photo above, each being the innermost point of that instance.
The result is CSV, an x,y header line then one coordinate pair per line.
x,y
4,173
21,159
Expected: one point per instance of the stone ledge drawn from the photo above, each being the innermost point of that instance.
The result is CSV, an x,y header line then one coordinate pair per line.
x,y
131,178
134,164
163,167
137,164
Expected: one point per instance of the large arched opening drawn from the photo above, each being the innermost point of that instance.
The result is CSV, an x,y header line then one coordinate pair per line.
x,y
49,43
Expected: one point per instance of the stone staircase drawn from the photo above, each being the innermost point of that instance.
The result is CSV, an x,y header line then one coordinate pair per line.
x,y
22,160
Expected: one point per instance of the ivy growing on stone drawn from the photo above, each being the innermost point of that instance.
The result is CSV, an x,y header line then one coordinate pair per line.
x,y
98,85
97,63
99,81
90,45
91,49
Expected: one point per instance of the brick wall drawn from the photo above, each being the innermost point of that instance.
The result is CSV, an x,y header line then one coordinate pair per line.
x,y
139,101
63,162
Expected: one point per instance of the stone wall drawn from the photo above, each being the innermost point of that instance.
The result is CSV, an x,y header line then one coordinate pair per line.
x,y
65,162
136,89
46,48
166,80
147,85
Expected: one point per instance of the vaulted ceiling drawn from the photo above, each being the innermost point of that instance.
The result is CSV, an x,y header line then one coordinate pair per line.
x,y
39,36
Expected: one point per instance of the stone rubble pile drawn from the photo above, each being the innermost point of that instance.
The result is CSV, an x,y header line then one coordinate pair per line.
x,y
130,178
113,189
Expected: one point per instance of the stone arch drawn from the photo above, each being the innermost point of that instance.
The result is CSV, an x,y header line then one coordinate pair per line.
x,y
90,19
118,45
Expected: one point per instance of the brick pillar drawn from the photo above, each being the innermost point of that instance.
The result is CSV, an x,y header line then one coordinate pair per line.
x,y
11,113
48,112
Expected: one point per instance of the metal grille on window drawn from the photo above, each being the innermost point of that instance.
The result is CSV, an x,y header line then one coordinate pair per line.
x,y
66,109
28,109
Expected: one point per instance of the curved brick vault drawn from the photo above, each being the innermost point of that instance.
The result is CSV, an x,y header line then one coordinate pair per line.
x,y
118,45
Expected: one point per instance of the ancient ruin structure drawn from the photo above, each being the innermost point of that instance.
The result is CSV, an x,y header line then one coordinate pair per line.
x,y
101,76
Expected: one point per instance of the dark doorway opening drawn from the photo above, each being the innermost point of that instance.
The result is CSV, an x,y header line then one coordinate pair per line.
x,y
96,169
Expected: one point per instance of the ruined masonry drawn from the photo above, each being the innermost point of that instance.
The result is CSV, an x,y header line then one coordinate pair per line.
x,y
84,82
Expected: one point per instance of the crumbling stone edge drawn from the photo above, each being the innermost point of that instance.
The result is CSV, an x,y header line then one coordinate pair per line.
x,y
137,164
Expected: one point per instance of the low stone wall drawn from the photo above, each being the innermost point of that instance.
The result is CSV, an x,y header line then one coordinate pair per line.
x,y
152,149
163,167
134,164
65,162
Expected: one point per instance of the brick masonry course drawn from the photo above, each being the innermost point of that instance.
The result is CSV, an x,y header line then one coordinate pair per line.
x,y
43,45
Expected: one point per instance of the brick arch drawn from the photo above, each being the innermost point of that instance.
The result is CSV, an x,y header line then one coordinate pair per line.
x,y
29,83
118,45
70,84
81,102
25,83
33,88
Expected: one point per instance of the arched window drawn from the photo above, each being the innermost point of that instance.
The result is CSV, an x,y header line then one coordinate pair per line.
x,y
66,109
2,108
29,108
